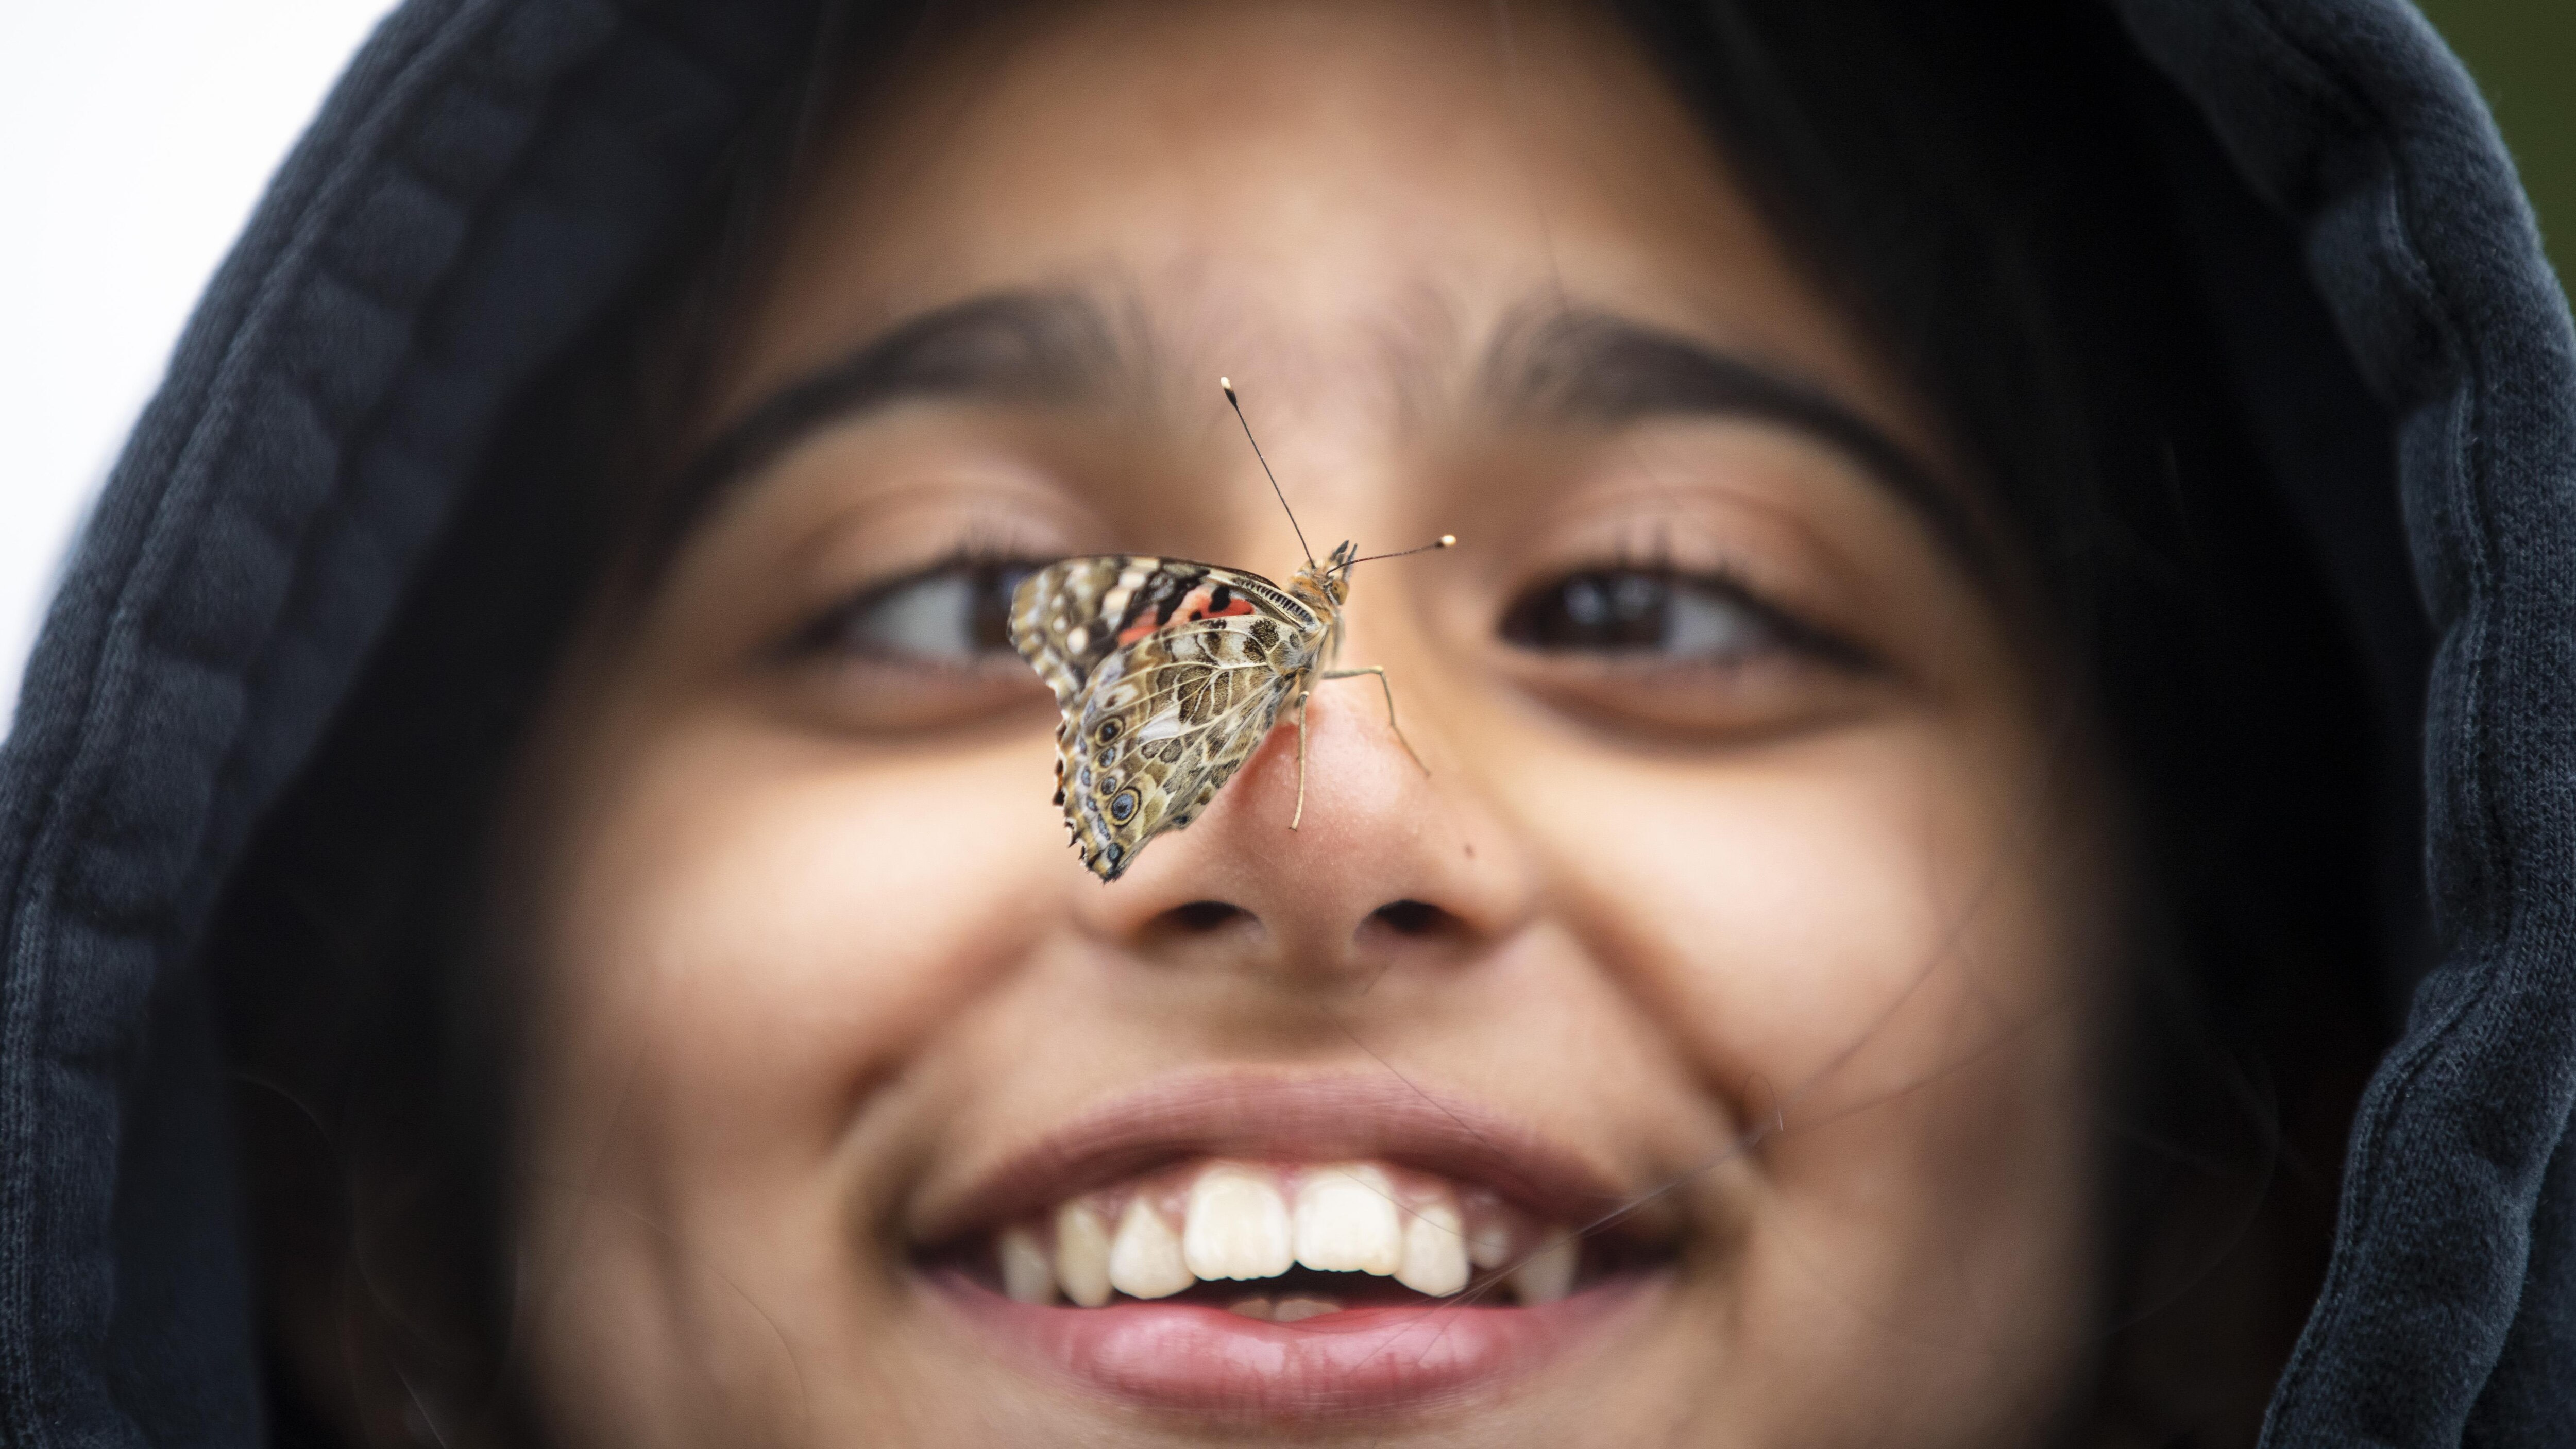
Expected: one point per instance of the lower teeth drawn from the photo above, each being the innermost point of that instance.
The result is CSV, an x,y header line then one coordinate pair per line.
x,y
1284,1310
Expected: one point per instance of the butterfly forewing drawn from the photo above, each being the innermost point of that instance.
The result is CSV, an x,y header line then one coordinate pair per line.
x,y
1168,674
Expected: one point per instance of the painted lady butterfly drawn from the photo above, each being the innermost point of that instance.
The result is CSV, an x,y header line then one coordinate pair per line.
x,y
1169,674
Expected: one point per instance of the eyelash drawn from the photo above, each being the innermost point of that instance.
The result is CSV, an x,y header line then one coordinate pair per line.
x,y
1633,574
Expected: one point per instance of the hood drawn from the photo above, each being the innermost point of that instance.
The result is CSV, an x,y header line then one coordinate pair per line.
x,y
491,174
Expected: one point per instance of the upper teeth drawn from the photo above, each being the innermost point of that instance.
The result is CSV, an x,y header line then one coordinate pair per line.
x,y
1145,1260
1347,1222
1236,1222
1435,1252
1239,1228
1082,1259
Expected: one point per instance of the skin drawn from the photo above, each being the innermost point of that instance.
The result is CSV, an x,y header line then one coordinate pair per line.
x,y
807,954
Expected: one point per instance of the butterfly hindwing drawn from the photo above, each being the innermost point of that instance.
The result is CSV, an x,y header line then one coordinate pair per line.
x,y
1168,675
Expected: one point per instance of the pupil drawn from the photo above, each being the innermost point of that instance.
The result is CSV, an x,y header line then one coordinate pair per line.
x,y
1602,609
1635,596
991,586
1584,603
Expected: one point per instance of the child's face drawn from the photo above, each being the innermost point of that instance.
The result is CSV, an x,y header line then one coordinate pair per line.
x,y
1749,815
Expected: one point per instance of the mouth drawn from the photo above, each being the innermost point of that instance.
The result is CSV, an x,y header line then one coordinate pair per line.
x,y
1283,1249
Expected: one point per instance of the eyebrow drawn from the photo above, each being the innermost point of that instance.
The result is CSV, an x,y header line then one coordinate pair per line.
x,y
1048,347
1560,366
1605,370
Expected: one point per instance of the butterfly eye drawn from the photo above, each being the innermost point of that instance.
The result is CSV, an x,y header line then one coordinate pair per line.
x,y
958,613
1641,613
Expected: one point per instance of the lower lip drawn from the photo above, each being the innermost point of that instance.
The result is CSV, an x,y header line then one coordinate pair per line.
x,y
1360,1362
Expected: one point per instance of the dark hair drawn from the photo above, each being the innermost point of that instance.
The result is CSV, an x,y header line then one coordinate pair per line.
x,y
1984,188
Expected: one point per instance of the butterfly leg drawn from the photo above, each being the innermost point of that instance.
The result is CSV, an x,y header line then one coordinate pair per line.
x,y
1293,820
1380,671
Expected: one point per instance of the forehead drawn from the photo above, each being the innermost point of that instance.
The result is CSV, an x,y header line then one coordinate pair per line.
x,y
1350,195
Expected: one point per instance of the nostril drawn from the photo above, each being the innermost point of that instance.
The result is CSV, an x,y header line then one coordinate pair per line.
x,y
1201,917
1412,918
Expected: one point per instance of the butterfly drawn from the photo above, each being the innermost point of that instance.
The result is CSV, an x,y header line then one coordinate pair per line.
x,y
1168,674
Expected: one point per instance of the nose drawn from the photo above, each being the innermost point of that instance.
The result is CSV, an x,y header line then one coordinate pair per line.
x,y
1387,865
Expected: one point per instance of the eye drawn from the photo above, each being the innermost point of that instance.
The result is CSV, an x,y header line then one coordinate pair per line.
x,y
1643,613
956,614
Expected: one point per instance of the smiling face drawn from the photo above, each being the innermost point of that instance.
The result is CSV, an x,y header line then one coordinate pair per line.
x,y
1698,1051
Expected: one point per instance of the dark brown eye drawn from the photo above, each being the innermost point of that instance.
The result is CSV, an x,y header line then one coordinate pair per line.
x,y
957,614
1640,613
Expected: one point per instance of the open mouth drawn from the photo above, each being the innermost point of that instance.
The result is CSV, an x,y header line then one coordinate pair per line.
x,y
1280,1242
1276,1277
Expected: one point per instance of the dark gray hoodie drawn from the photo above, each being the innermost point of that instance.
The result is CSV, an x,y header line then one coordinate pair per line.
x,y
492,174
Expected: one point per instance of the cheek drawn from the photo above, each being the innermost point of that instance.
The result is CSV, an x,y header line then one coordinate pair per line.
x,y
1840,919
744,936
1882,951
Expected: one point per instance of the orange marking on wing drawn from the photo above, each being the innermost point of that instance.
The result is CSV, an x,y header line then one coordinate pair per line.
x,y
1192,608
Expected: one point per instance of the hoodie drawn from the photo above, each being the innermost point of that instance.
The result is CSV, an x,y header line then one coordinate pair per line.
x,y
492,174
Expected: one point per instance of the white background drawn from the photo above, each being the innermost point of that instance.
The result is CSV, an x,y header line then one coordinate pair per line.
x,y
134,137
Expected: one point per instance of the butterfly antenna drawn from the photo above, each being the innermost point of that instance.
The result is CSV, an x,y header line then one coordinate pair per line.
x,y
1446,540
1228,385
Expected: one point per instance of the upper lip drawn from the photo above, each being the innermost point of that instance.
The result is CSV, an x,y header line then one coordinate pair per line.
x,y
1311,1118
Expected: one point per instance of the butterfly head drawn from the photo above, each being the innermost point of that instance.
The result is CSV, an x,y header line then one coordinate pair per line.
x,y
1329,581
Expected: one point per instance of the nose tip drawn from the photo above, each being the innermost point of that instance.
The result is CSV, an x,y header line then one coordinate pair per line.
x,y
1376,874
1392,924
1326,956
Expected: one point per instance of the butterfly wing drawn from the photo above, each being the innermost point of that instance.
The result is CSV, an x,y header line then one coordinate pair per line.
x,y
1168,675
